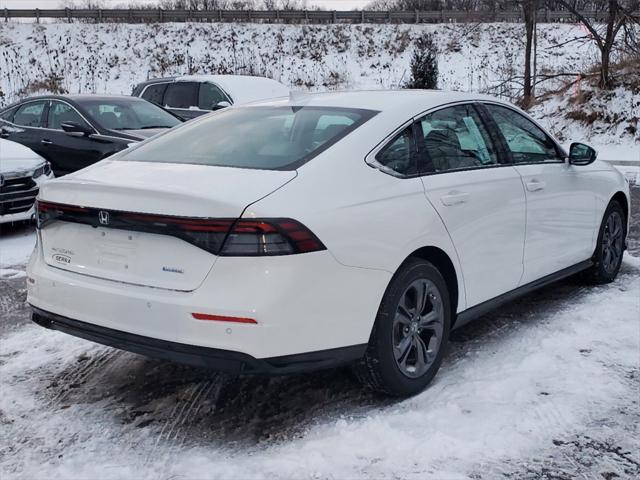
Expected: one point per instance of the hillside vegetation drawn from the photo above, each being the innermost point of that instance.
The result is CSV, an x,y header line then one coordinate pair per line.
x,y
74,58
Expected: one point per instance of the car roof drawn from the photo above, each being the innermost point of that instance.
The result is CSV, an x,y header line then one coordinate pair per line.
x,y
75,98
380,100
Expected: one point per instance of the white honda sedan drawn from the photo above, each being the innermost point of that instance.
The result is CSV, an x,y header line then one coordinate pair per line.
x,y
324,229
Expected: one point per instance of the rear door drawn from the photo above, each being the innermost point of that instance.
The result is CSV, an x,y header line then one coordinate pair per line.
x,y
560,202
479,197
25,126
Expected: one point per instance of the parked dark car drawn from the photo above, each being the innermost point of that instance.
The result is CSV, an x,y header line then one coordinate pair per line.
x,y
75,131
195,95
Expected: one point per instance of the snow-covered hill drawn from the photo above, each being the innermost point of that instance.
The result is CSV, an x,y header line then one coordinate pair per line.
x,y
113,57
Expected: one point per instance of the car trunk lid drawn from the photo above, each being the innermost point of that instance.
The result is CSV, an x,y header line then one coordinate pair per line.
x,y
145,223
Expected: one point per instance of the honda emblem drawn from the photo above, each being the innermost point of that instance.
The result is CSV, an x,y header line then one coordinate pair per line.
x,y
103,217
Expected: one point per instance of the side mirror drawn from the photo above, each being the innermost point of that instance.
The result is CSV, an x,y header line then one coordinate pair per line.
x,y
74,128
219,105
581,154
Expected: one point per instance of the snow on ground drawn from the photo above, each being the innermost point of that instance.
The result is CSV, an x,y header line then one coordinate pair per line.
x,y
16,246
549,378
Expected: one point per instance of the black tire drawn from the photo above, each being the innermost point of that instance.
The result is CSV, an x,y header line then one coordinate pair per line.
x,y
381,369
607,257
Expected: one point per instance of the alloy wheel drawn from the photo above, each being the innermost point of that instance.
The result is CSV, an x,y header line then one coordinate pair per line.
x,y
612,242
418,328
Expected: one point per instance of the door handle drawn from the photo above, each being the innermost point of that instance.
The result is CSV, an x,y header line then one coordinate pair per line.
x,y
536,185
4,133
454,198
44,141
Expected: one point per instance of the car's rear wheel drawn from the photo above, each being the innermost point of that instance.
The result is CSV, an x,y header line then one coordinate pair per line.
x,y
610,247
411,332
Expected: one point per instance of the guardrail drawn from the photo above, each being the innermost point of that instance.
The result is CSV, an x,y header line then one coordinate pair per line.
x,y
134,15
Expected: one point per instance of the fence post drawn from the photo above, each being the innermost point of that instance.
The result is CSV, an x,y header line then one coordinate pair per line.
x,y
220,16
160,15
6,15
277,16
249,15
130,16
37,15
417,16
334,17
361,16
99,15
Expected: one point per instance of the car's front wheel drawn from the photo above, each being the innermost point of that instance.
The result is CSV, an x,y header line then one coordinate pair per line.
x,y
610,247
411,331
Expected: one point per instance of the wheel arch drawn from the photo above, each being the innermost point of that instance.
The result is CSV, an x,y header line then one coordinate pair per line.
x,y
445,266
622,199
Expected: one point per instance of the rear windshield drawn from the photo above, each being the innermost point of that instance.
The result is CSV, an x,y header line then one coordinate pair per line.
x,y
267,138
129,115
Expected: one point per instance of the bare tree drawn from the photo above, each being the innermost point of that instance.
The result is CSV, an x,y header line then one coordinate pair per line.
x,y
529,11
618,13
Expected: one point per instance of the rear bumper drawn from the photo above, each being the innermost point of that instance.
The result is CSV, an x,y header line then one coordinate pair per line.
x,y
301,303
222,360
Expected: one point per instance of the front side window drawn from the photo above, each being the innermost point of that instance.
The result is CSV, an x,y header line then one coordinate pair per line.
x,y
209,96
526,141
30,114
60,112
134,114
455,139
399,154
181,95
268,138
155,93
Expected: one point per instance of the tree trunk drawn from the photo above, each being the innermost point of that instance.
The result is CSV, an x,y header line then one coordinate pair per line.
x,y
607,45
529,12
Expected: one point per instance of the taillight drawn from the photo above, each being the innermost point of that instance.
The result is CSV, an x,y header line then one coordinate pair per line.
x,y
220,236
273,236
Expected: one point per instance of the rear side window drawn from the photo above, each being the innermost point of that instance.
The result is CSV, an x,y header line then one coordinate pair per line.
x,y
181,95
455,139
8,114
268,138
399,154
30,114
210,95
60,112
526,141
155,93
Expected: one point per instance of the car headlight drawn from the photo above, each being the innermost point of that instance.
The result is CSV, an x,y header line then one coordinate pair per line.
x,y
44,169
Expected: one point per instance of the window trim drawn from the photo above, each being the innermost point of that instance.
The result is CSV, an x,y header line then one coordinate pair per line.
x,y
414,152
153,84
45,112
474,106
563,155
193,107
224,92
46,118
42,114
370,158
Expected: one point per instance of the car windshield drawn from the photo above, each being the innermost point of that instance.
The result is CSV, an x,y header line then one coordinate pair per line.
x,y
129,114
261,137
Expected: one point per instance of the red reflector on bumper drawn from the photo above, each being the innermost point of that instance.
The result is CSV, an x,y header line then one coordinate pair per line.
x,y
221,318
